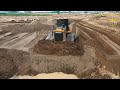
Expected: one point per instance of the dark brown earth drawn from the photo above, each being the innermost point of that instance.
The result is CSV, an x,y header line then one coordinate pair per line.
x,y
13,62
57,48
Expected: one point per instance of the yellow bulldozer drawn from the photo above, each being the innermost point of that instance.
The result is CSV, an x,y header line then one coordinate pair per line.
x,y
61,32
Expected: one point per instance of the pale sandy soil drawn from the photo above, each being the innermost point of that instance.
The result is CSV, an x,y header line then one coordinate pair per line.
x,y
56,75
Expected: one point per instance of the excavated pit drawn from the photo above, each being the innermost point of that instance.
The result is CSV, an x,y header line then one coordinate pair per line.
x,y
17,62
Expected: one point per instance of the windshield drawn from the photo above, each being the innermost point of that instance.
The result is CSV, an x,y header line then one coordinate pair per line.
x,y
59,27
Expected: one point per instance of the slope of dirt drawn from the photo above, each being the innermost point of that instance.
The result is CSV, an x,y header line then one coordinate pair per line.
x,y
15,62
57,48
12,62
17,28
70,64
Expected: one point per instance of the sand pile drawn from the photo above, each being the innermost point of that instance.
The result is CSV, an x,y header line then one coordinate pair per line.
x,y
56,75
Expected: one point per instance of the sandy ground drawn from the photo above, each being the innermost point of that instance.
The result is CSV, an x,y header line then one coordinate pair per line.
x,y
22,37
105,21
56,75
99,44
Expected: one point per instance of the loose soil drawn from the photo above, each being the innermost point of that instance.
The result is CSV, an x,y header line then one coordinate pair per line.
x,y
12,62
57,48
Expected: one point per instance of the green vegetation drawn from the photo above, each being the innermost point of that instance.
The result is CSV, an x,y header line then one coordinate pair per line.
x,y
21,14
58,12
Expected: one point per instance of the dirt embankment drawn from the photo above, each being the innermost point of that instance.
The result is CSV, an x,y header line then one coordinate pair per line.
x,y
13,62
57,48
17,28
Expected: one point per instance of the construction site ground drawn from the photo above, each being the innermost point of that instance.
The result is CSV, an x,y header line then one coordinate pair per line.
x,y
25,53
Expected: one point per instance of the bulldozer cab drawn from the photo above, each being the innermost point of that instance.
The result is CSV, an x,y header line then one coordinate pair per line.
x,y
60,31
62,24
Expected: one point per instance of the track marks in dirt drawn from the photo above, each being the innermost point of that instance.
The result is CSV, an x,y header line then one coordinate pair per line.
x,y
106,36
107,50
14,39
97,37
83,33
107,32
18,41
6,34
24,41
115,46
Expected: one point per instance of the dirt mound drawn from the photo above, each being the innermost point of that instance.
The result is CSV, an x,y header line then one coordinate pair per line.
x,y
40,20
51,22
12,21
37,24
43,20
17,28
20,21
12,62
57,48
